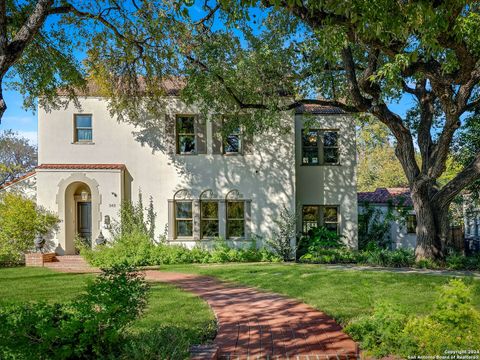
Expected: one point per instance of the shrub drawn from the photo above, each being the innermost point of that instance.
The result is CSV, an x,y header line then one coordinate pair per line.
x,y
387,258
331,256
281,242
136,249
317,239
88,328
20,221
380,333
454,324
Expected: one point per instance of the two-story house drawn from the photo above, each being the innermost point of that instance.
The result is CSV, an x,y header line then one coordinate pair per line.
x,y
203,184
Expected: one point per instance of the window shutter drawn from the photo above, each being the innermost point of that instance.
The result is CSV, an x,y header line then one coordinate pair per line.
x,y
170,141
216,134
248,144
200,134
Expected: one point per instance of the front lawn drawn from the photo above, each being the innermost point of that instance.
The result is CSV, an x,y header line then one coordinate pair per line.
x,y
343,294
167,329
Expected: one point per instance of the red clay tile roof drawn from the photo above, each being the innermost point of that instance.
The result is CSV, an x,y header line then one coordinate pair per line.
x,y
23,177
82,166
172,87
318,109
395,196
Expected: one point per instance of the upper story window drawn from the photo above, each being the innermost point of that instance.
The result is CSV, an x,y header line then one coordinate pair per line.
x,y
235,219
208,219
232,143
83,128
183,219
320,147
320,215
185,126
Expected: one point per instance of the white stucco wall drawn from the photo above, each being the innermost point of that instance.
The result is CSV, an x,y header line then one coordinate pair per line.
x,y
330,184
267,177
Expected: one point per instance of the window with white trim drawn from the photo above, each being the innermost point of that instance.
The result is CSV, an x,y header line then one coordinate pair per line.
x,y
83,128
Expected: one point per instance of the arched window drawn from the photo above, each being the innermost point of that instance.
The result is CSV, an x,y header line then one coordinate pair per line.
x,y
235,208
209,225
183,212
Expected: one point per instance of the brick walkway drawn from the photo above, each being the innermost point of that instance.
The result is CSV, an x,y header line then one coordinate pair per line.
x,y
260,325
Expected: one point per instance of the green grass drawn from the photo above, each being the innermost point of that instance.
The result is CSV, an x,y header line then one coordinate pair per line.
x,y
174,320
343,294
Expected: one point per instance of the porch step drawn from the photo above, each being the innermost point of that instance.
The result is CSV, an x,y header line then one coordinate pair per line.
x,y
69,263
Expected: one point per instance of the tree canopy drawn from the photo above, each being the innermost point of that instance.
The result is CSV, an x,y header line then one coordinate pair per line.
x,y
260,57
17,156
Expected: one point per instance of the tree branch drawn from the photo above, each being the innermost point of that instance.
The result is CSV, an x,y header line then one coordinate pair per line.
x,y
3,28
471,173
28,30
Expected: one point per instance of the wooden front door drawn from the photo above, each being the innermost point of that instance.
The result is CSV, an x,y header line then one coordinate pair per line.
x,y
84,220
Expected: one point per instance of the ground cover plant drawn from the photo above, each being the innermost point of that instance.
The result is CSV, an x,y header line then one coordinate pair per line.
x,y
165,328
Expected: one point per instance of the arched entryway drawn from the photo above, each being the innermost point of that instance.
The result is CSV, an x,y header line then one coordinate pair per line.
x,y
79,202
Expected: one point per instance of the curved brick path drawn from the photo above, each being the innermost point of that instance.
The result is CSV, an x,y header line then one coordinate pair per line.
x,y
259,325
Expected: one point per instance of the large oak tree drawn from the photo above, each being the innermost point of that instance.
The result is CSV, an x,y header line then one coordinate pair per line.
x,y
261,57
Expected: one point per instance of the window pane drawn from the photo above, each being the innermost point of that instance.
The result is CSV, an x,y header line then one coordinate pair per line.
x,y
235,210
236,228
232,143
332,226
209,210
330,138
330,214
186,144
209,228
186,125
184,210
184,228
84,135
83,121
310,213
310,138
310,156
309,217
330,155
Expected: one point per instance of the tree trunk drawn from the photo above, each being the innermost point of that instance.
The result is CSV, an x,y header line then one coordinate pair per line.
x,y
3,104
432,224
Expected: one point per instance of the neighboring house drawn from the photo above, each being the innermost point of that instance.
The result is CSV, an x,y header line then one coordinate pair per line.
x,y
471,220
202,185
25,185
397,202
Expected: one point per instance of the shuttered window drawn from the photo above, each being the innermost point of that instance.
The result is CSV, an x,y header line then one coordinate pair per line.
x,y
185,126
